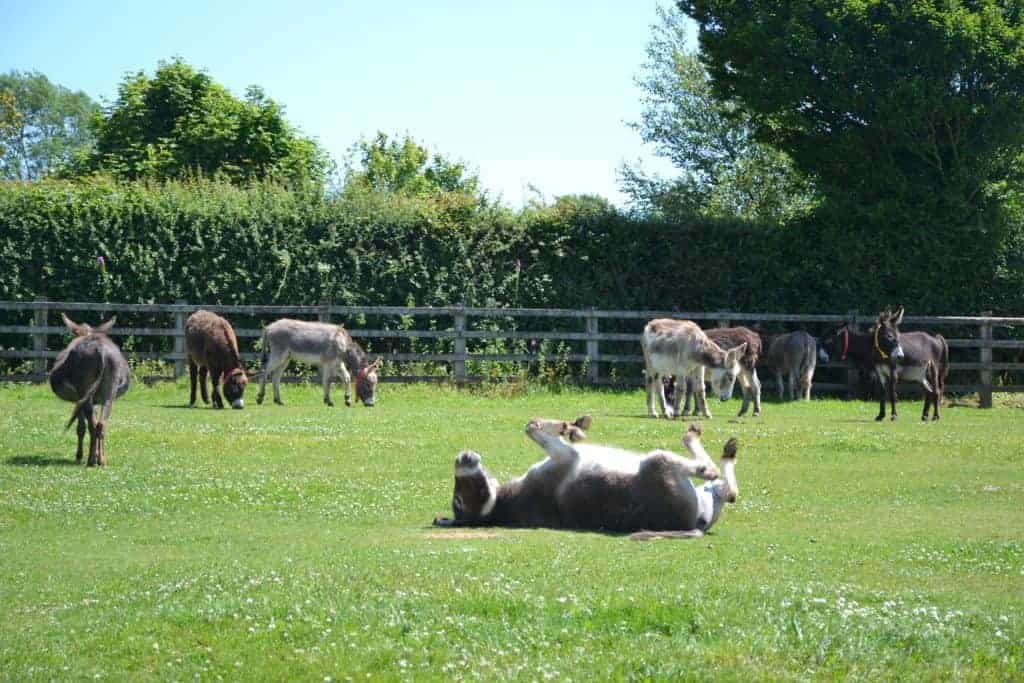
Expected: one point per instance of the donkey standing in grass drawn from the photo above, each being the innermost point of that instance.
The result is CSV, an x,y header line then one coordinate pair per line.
x,y
750,384
90,371
795,354
586,486
328,346
680,348
913,356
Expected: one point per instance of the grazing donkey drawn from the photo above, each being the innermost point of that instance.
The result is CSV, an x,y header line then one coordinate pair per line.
x,y
795,355
90,371
750,384
210,344
586,486
329,346
680,348
913,356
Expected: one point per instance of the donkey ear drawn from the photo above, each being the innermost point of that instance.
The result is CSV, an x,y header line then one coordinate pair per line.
x,y
79,330
107,326
897,317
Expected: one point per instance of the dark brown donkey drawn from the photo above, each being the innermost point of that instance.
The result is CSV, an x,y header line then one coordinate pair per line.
x,y
912,356
211,345
90,371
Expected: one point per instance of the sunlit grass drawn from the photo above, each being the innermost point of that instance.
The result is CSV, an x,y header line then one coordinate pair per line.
x,y
293,543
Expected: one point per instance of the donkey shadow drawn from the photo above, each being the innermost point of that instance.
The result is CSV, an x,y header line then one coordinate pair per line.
x,y
41,461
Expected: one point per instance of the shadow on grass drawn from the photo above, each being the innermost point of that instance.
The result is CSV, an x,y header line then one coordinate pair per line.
x,y
40,461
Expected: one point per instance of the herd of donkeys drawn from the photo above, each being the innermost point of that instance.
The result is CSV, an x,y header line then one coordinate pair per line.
x,y
578,484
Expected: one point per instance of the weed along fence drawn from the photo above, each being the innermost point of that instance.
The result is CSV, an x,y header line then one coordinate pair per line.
x,y
466,344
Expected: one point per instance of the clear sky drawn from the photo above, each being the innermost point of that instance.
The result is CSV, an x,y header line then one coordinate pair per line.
x,y
525,92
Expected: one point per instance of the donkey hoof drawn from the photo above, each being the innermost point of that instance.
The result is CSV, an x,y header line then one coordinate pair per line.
x,y
348,402
259,400
893,418
329,403
879,418
278,401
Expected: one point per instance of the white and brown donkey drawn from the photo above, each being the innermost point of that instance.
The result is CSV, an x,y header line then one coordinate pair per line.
x,y
586,486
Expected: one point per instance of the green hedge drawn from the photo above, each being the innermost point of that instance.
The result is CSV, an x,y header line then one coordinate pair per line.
x,y
209,242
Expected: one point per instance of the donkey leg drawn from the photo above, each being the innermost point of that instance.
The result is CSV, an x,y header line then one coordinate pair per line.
x,y
326,375
93,445
558,450
277,384
879,382
701,392
81,436
218,402
203,372
193,374
893,380
101,438
649,379
755,383
270,365
346,377
688,388
778,382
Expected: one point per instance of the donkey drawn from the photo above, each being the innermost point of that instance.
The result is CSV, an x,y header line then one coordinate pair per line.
x,y
90,371
913,356
856,347
680,348
322,344
796,355
586,486
750,384
211,346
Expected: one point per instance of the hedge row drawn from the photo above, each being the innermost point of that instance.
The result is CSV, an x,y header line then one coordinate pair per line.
x,y
208,242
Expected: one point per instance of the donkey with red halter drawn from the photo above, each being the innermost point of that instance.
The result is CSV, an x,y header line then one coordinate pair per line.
x,y
913,356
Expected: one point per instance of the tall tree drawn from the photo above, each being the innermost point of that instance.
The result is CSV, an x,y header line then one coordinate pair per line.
x,y
180,122
723,170
403,166
49,129
908,103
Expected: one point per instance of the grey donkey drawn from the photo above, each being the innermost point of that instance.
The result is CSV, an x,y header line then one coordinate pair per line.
x,y
90,371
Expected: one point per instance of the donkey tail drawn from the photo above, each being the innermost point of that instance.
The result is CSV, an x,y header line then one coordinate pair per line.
x,y
943,370
809,359
265,350
89,394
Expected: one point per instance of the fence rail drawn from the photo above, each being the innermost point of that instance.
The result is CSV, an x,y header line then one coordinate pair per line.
x,y
33,335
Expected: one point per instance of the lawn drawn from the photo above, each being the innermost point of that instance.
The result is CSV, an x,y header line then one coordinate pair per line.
x,y
294,543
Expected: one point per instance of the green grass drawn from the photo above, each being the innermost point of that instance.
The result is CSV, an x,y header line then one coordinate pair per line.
x,y
293,543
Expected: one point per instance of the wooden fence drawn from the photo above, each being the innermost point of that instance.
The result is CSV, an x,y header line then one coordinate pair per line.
x,y
594,329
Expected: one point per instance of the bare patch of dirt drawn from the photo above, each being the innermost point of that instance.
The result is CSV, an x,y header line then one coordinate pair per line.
x,y
461,534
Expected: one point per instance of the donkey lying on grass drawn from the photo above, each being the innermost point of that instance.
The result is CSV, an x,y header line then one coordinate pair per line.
x,y
329,346
586,486
90,370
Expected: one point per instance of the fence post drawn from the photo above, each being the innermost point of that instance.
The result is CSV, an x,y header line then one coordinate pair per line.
x,y
985,374
459,365
179,340
852,374
39,341
593,372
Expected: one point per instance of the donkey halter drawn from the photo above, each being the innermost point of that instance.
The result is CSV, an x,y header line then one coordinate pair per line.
x,y
878,348
846,342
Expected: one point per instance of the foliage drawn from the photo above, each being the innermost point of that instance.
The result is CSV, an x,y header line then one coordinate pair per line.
x,y
181,123
208,241
49,125
724,171
912,103
294,543
386,164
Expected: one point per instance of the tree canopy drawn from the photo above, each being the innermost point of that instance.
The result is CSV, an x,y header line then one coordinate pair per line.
x,y
180,123
403,166
913,103
724,170
42,125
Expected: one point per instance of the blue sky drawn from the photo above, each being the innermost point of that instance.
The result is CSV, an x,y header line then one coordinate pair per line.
x,y
525,92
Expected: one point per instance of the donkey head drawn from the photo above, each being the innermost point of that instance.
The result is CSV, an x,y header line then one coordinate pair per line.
x,y
723,378
84,329
366,383
886,334
475,494
234,383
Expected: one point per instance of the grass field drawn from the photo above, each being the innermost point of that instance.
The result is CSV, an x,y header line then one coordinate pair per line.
x,y
294,543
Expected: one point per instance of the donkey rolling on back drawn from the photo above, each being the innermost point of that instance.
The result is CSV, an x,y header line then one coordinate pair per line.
x,y
586,486
680,348
322,344
90,371
912,356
